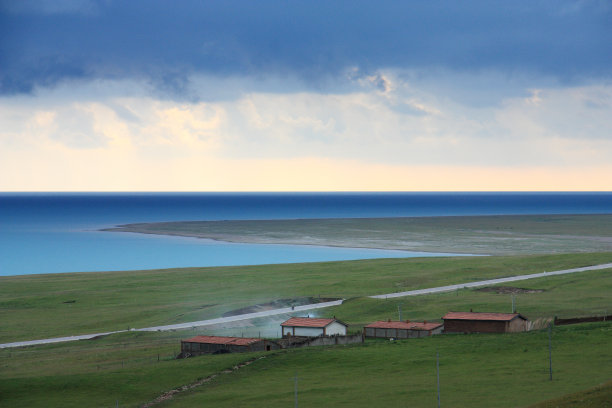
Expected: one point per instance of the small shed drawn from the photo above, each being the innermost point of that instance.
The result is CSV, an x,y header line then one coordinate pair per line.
x,y
313,327
198,345
474,322
402,330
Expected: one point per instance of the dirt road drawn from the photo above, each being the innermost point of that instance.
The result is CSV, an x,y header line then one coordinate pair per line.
x,y
288,310
450,288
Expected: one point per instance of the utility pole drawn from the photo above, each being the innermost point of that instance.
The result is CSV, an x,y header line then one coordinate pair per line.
x,y
399,311
550,350
295,391
438,375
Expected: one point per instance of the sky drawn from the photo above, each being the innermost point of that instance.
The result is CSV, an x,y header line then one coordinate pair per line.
x,y
241,95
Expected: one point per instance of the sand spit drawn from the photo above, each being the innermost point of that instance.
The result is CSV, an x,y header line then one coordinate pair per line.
x,y
483,235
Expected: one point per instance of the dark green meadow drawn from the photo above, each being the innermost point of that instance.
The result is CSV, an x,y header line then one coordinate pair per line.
x,y
122,368
135,367
55,305
596,397
585,294
475,371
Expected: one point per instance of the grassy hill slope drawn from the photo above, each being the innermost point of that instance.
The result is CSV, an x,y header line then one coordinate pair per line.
x,y
43,306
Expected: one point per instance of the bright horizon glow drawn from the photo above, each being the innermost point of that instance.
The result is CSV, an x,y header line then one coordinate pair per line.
x,y
529,180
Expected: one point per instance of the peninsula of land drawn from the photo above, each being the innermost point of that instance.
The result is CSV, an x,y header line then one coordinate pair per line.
x,y
490,235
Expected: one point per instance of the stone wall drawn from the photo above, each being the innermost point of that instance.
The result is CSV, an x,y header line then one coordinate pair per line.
x,y
295,342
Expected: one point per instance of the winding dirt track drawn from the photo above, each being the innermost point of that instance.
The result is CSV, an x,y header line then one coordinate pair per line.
x,y
450,288
170,394
288,310
188,325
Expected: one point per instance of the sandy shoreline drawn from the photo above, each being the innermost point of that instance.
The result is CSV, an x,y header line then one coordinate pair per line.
x,y
480,235
256,240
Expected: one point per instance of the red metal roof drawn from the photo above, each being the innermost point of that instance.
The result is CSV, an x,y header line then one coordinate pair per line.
x,y
238,341
309,322
404,325
481,316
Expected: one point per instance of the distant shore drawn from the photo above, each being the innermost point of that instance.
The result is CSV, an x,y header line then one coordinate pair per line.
x,y
491,235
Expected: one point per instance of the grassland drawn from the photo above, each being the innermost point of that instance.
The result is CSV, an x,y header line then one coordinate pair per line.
x,y
491,235
122,368
476,370
44,306
596,397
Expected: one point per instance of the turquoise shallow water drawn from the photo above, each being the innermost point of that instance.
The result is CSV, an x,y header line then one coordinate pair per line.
x,y
54,233
85,251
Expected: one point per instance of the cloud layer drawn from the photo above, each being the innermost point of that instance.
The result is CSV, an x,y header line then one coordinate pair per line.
x,y
276,95
368,139
49,41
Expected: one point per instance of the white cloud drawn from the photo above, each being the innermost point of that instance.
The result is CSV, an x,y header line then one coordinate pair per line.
x,y
395,129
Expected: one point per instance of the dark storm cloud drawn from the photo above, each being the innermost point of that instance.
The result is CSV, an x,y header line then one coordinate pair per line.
x,y
42,43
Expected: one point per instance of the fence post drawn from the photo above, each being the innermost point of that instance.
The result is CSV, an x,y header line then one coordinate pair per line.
x,y
550,350
438,375
295,390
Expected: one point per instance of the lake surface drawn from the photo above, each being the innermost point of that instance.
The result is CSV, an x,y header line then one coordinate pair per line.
x,y
53,233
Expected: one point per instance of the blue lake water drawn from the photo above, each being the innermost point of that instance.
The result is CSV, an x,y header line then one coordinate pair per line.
x,y
53,233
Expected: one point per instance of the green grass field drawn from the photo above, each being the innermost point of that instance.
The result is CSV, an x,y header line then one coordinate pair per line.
x,y
596,397
122,368
44,306
476,370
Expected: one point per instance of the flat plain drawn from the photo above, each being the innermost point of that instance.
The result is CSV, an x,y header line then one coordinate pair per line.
x,y
55,305
487,235
132,368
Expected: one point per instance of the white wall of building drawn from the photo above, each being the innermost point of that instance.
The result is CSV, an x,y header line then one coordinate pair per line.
x,y
332,329
335,328
308,331
302,331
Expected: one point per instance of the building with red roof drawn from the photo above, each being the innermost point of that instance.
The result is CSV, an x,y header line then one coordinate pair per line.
x,y
216,345
401,329
313,327
484,322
